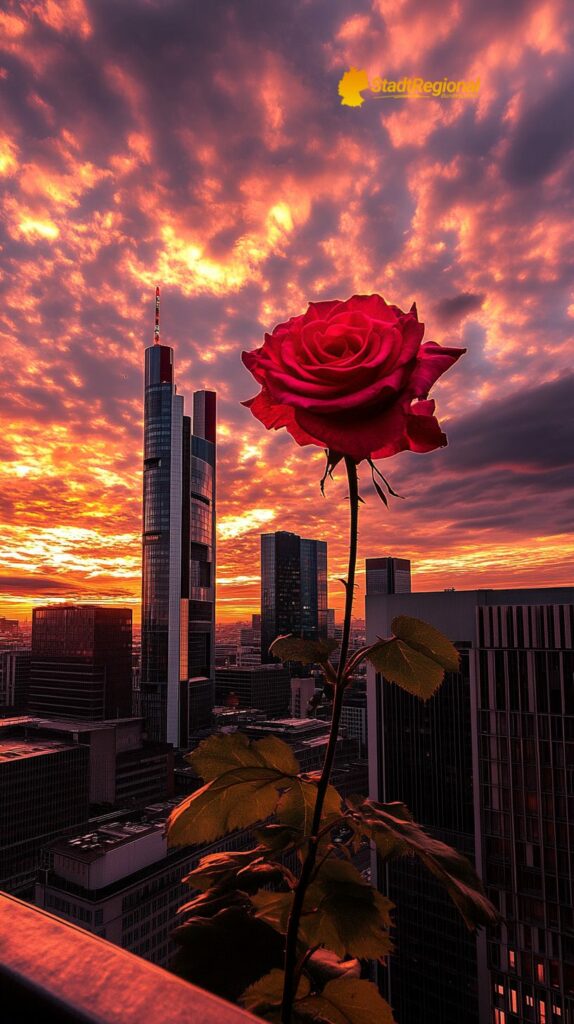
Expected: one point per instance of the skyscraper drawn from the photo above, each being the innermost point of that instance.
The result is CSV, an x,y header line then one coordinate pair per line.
x,y
81,662
293,588
178,556
388,575
486,766
525,698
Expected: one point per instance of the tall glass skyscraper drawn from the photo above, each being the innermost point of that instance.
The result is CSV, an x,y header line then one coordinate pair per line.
x,y
487,765
293,588
178,554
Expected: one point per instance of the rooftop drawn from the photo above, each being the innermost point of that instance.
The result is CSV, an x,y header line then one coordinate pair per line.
x,y
63,724
292,725
272,666
92,845
18,750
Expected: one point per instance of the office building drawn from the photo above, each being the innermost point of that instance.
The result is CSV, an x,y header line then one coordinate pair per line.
x,y
302,692
178,554
293,588
121,882
44,789
266,687
226,655
249,648
387,576
14,681
250,636
10,634
124,768
354,712
81,663
483,766
525,697
308,738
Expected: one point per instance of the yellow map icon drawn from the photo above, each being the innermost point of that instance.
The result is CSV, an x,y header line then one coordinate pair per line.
x,y
351,86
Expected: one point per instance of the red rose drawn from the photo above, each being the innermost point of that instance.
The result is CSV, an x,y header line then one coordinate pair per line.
x,y
345,375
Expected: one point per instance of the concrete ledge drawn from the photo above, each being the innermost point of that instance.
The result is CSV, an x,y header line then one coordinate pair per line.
x,y
57,973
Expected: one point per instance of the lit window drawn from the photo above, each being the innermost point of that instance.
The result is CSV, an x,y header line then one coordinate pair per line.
x,y
511,958
529,1001
557,1011
513,1000
499,1016
540,972
499,989
542,1011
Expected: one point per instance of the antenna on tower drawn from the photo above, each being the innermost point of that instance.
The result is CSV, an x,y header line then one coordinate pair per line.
x,y
156,328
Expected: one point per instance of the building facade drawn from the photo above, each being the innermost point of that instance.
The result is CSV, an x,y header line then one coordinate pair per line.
x,y
265,687
125,769
121,882
484,768
525,697
178,554
10,634
14,681
387,576
293,588
81,662
44,789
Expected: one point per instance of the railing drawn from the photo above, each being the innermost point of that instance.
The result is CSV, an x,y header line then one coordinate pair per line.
x,y
56,973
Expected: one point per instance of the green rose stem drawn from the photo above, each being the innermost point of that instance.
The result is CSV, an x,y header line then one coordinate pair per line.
x,y
290,982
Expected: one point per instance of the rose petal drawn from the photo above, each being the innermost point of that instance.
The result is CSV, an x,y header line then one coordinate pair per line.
x,y
423,428
358,435
373,306
274,416
312,396
432,361
322,310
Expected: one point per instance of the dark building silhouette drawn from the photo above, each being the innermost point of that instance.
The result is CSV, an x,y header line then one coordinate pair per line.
x,y
265,687
10,634
484,766
178,554
126,769
354,712
14,681
44,789
388,576
293,588
81,662
525,724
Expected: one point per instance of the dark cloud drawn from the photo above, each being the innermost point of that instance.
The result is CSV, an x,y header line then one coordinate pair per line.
x,y
23,585
543,137
452,309
531,428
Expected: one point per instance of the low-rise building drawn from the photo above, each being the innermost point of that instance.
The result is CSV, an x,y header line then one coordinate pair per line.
x,y
44,789
123,883
267,687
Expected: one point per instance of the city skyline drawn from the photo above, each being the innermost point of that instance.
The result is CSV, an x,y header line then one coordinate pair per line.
x,y
218,161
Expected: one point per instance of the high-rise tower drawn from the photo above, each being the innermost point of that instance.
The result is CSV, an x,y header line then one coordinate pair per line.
x,y
178,556
293,588
387,576
487,766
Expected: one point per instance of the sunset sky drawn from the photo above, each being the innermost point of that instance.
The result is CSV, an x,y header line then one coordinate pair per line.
x,y
204,147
